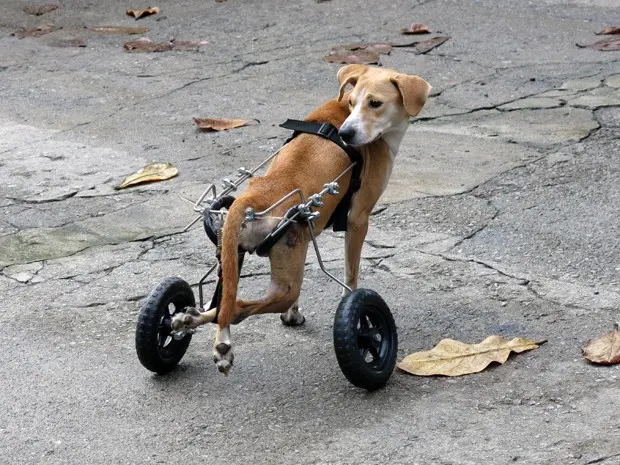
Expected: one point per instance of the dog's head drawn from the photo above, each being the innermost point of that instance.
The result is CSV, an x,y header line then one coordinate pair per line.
x,y
381,101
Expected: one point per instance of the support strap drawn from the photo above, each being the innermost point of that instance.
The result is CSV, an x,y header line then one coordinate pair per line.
x,y
329,131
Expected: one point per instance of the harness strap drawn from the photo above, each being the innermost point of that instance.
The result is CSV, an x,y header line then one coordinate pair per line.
x,y
329,131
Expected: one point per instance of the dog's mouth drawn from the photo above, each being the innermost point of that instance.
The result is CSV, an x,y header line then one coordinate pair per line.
x,y
357,145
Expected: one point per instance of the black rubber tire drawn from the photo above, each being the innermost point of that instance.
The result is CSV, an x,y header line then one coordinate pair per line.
x,y
224,202
151,330
354,340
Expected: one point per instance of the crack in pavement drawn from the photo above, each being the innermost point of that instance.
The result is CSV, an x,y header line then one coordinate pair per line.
x,y
481,228
601,459
62,225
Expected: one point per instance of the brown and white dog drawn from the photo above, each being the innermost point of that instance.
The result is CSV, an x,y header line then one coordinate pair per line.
x,y
373,117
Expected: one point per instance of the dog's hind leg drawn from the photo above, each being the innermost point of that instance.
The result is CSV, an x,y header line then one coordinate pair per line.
x,y
287,270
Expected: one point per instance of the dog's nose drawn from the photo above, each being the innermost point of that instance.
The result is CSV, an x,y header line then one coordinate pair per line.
x,y
346,134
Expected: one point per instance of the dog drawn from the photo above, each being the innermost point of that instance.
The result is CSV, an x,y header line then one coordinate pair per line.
x,y
373,117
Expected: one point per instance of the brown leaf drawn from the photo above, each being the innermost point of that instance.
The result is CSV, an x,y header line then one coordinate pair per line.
x,y
361,57
34,32
141,13
219,124
605,350
382,48
120,29
611,44
150,173
416,28
68,43
423,46
428,45
40,9
454,358
144,44
609,30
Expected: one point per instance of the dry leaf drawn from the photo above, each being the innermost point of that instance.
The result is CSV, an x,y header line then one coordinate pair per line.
x,y
454,358
68,43
120,29
416,28
609,30
424,46
382,48
612,44
150,173
219,124
141,13
428,45
34,32
360,57
605,350
144,44
41,9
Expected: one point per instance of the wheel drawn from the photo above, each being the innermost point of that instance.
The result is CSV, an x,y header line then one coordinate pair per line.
x,y
224,202
365,339
157,350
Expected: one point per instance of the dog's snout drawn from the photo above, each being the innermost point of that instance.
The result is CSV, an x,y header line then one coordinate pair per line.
x,y
346,134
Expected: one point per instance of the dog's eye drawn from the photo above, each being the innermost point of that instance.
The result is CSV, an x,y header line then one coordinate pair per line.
x,y
375,104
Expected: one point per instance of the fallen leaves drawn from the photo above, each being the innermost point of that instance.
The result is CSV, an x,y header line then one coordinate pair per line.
x,y
142,13
219,124
605,350
610,44
416,28
35,31
454,358
360,57
361,54
146,45
426,46
609,30
369,54
150,173
127,30
40,9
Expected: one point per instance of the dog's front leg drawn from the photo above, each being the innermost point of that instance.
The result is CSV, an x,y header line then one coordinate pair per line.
x,y
222,350
293,317
357,227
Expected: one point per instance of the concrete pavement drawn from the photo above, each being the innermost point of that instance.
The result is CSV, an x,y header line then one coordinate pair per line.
x,y
501,218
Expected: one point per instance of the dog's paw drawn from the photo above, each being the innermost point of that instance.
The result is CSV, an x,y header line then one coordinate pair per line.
x,y
182,321
292,317
223,357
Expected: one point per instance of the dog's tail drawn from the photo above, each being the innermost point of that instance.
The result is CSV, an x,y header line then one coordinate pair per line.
x,y
230,262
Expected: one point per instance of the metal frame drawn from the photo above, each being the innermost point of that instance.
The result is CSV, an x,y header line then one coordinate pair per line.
x,y
304,212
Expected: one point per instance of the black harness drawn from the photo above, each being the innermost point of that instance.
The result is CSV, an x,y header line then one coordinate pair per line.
x,y
329,131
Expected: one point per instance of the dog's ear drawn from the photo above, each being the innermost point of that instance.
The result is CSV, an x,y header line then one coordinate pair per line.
x,y
414,91
349,75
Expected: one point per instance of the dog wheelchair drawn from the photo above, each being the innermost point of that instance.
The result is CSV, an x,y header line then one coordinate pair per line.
x,y
364,331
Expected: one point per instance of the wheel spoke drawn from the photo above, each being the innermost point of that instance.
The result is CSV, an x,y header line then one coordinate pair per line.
x,y
374,352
